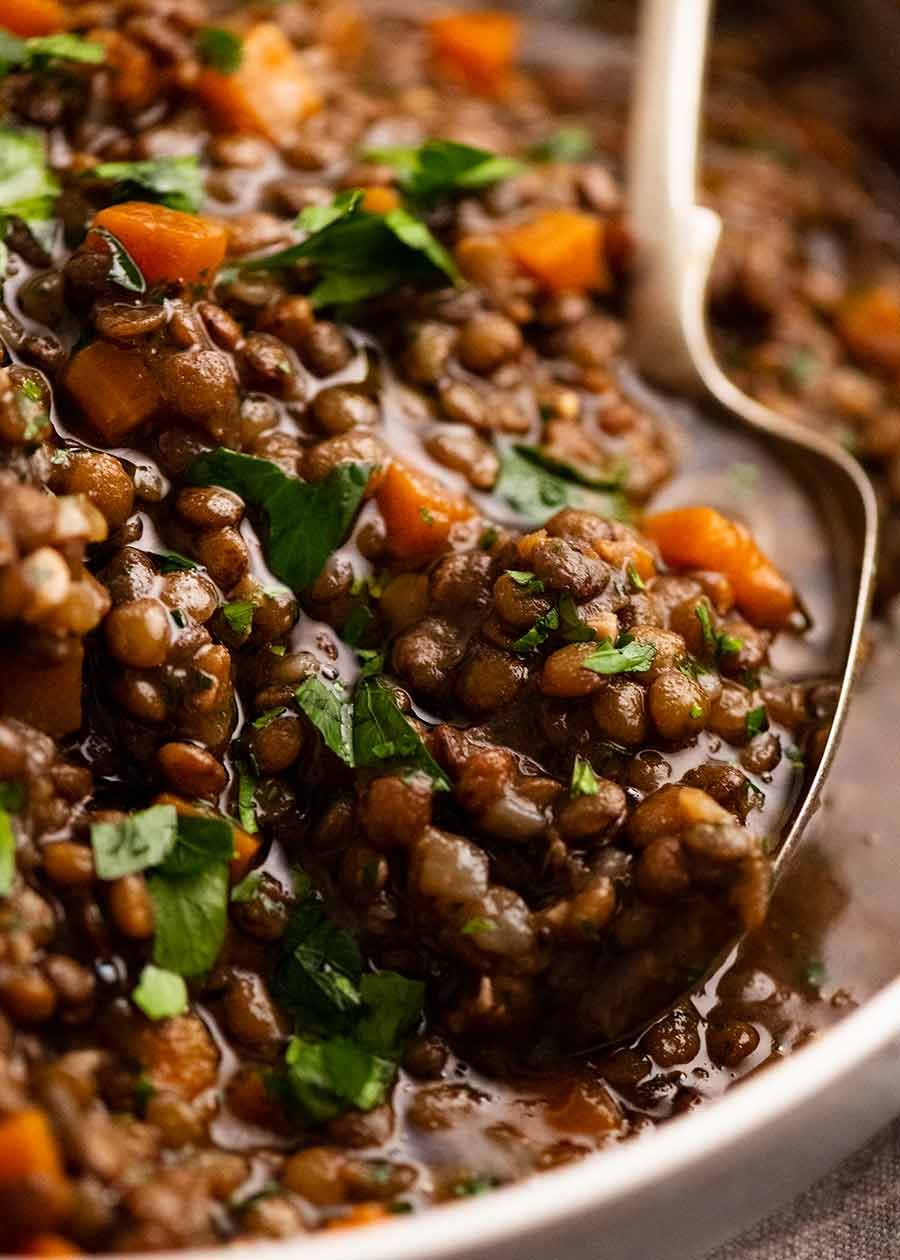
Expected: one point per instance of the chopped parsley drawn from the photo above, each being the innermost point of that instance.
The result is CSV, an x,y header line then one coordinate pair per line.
x,y
176,182
477,926
571,143
715,641
360,255
473,1185
631,657
530,584
201,839
220,49
696,711
247,798
442,168
756,721
190,916
382,734
239,615
141,840
267,718
584,781
7,853
39,51
539,632
536,489
307,521
573,629
160,994
28,188
328,707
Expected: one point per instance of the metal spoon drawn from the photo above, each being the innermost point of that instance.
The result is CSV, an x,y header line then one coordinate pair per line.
x,y
676,239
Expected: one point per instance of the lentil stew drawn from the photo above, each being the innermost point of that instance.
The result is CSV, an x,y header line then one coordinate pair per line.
x,y
362,722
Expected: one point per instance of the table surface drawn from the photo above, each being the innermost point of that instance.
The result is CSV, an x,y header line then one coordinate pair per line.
x,y
852,1214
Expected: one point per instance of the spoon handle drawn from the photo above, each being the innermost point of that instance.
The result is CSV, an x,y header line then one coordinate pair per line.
x,y
675,238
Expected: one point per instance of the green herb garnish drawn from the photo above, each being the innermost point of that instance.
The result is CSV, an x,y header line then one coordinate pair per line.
x,y
584,781
176,182
536,491
629,658
123,270
39,51
307,521
139,841
539,632
190,915
393,1008
239,615
572,628
267,718
247,798
200,841
28,188
569,144
382,734
360,255
328,707
220,49
756,721
477,926
7,853
716,642
160,994
442,168
530,584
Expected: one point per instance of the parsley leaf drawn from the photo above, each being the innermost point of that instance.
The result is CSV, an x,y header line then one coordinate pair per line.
x,y
756,721
539,632
371,662
360,255
440,168
160,994
530,584
267,718
568,144
307,521
318,976
328,707
200,841
631,658
28,189
7,853
142,839
635,581
123,270
247,798
325,1076
477,926
176,182
584,781
246,889
574,630
381,733
12,795
171,561
40,50
476,1184
536,491
190,913
394,1007
220,49
239,615
717,642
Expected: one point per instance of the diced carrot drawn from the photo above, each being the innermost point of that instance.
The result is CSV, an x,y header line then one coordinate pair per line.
x,y
477,47
28,1148
379,200
32,17
269,93
45,696
418,512
177,1054
360,1214
562,250
50,1245
245,846
702,538
134,79
113,388
166,244
869,324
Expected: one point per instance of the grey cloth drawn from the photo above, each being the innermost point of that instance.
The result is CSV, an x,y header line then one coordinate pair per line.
x,y
852,1214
